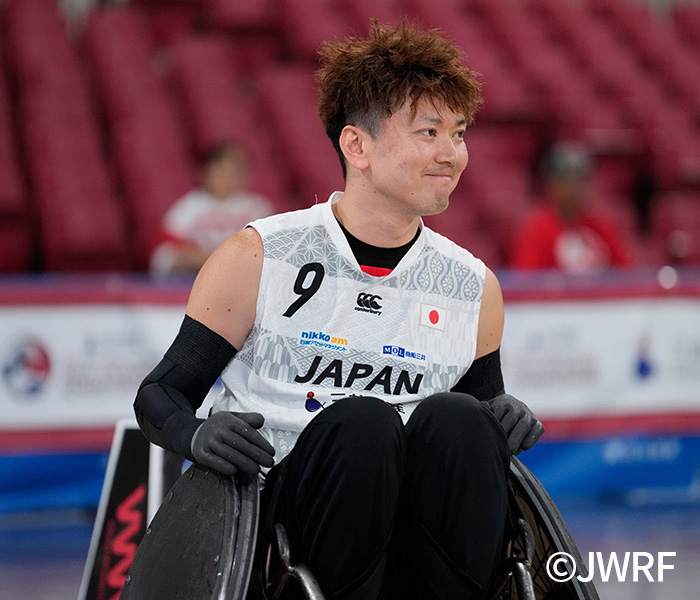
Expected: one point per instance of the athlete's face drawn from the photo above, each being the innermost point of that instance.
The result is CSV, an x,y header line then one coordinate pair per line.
x,y
417,158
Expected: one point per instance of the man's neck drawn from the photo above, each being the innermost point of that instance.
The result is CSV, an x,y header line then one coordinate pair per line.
x,y
374,223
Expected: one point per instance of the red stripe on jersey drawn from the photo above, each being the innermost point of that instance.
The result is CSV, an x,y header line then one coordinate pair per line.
x,y
376,271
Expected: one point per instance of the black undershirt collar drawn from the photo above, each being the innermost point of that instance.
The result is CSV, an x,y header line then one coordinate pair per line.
x,y
375,256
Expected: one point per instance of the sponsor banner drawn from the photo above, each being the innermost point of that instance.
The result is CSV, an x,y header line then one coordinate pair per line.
x,y
77,366
605,357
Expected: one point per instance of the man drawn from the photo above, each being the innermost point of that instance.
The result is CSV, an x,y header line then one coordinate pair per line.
x,y
339,332
565,233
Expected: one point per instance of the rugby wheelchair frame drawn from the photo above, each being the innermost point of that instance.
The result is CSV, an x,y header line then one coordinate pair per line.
x,y
222,516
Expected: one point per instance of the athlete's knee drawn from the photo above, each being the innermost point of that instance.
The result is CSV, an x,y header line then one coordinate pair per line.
x,y
358,411
449,409
367,427
459,419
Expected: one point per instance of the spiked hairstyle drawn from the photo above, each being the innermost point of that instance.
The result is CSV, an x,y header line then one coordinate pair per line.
x,y
363,81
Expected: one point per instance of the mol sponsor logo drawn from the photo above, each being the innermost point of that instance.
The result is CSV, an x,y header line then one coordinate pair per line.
x,y
402,352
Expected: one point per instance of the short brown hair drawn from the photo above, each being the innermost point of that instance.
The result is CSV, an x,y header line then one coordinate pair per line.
x,y
364,80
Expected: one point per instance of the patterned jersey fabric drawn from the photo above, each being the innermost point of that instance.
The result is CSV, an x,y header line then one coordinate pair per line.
x,y
326,330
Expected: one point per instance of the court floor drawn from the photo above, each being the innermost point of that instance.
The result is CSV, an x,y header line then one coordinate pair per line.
x,y
42,556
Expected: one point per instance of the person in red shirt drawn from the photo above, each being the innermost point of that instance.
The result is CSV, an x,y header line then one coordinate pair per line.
x,y
564,233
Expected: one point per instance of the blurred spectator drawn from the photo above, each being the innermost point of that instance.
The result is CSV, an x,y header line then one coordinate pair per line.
x,y
564,233
204,217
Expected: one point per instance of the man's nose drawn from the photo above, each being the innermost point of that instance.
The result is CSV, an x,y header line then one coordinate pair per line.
x,y
447,150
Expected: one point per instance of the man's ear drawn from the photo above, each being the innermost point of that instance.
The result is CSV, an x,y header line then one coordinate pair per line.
x,y
353,143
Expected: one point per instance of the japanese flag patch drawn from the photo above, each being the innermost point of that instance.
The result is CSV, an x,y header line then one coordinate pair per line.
x,y
433,317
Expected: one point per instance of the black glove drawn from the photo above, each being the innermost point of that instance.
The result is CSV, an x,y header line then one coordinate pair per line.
x,y
521,426
229,442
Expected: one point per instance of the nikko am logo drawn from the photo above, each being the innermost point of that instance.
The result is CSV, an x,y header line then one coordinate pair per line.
x,y
319,339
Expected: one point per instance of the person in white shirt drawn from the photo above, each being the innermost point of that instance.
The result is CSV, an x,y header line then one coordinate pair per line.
x,y
202,219
358,349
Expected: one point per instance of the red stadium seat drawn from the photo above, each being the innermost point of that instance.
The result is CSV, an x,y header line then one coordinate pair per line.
x,y
388,12
240,16
62,146
676,223
16,227
205,74
314,165
686,21
148,141
308,23
169,21
676,157
447,16
255,28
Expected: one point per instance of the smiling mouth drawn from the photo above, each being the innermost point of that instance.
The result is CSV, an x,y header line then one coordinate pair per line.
x,y
445,176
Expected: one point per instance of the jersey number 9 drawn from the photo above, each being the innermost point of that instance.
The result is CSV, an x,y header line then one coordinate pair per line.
x,y
304,291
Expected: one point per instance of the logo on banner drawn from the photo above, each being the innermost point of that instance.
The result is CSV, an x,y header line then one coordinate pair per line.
x,y
433,317
27,367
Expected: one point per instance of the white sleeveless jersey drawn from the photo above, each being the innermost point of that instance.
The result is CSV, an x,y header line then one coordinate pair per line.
x,y
325,330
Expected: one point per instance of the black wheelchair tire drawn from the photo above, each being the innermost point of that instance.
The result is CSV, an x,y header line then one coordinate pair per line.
x,y
551,535
201,542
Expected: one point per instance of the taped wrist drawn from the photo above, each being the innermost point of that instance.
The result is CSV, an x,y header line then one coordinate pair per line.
x,y
484,379
169,396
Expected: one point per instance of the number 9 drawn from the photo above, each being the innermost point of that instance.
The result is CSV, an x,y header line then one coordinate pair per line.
x,y
305,293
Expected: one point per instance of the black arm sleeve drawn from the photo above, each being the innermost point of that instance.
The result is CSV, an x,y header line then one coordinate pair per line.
x,y
484,379
169,396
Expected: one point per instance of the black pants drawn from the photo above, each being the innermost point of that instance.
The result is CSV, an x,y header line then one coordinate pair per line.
x,y
379,510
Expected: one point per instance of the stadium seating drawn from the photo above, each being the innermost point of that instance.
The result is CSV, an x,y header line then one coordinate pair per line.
x,y
205,74
686,22
315,167
676,218
172,76
308,23
147,142
15,218
254,27
62,148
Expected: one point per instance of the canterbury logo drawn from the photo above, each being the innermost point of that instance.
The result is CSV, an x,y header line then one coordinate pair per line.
x,y
369,301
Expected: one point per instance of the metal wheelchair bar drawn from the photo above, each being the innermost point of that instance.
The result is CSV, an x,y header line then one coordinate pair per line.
x,y
523,580
300,572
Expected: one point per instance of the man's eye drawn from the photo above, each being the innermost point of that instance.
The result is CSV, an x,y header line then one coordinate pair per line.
x,y
460,134
429,132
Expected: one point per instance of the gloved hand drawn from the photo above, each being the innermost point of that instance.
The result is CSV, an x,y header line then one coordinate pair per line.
x,y
522,427
229,442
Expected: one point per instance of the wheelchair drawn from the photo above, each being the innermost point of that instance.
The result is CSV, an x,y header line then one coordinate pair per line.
x,y
222,513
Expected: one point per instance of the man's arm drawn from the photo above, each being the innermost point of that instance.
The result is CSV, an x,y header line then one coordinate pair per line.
x,y
491,317
225,293
484,379
220,315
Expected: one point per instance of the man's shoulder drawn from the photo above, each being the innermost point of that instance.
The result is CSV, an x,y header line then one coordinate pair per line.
x,y
291,219
452,250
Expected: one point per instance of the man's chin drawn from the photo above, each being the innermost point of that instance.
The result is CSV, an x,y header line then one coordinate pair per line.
x,y
438,206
